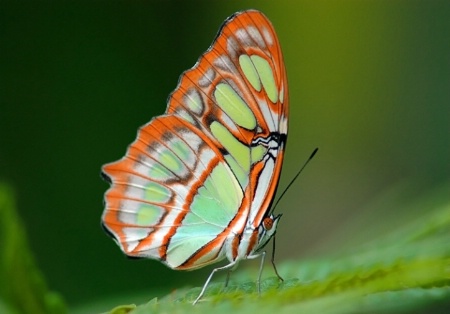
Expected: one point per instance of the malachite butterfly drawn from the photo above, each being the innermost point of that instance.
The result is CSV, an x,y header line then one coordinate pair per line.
x,y
197,184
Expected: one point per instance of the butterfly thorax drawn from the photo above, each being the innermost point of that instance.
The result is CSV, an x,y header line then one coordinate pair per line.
x,y
252,240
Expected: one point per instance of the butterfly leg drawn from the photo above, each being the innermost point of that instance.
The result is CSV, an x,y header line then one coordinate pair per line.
x,y
228,277
273,261
261,266
229,266
263,255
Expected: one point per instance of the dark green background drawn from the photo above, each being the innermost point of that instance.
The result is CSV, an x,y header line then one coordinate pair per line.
x,y
369,85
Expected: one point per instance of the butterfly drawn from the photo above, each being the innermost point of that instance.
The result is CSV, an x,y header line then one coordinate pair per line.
x,y
197,184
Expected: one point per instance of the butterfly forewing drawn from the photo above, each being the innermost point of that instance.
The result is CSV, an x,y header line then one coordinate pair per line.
x,y
237,94
210,165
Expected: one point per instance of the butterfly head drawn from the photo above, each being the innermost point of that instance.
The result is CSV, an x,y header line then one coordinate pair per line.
x,y
267,230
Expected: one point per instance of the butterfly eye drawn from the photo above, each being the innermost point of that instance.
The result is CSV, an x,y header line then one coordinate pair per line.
x,y
268,223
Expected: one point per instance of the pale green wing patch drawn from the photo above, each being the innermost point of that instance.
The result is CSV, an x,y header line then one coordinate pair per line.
x,y
234,106
217,205
240,157
267,77
211,210
156,192
148,215
239,151
250,71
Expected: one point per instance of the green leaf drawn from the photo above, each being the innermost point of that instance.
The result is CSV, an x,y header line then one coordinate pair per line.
x,y
22,288
397,272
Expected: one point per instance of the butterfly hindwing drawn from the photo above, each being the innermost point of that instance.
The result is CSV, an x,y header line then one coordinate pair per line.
x,y
173,193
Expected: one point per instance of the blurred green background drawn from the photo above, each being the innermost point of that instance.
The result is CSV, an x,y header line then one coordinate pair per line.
x,y
369,85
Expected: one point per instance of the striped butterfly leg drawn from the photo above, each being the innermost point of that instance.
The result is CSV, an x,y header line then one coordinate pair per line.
x,y
273,260
231,266
226,267
261,266
267,232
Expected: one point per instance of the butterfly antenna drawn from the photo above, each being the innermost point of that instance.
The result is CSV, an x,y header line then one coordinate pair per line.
x,y
295,178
